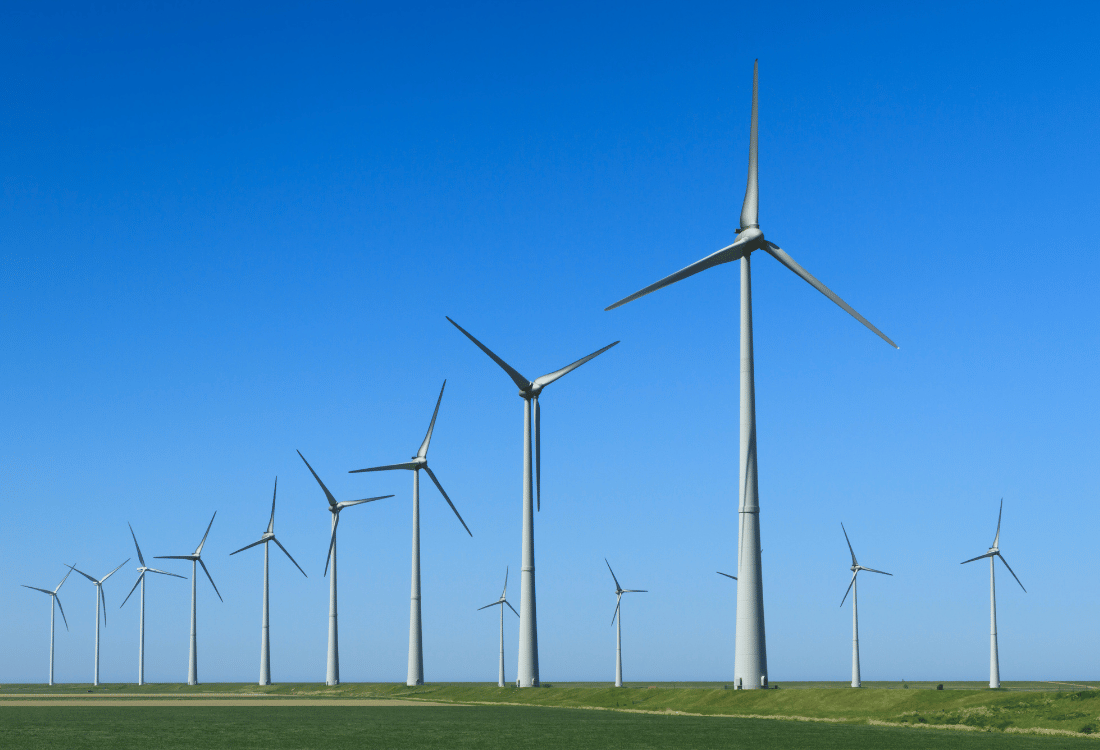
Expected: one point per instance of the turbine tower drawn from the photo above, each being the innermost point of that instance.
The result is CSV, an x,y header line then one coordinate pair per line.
x,y
617,617
141,621
195,557
856,567
268,536
53,598
529,390
502,601
994,551
750,652
419,461
332,669
99,598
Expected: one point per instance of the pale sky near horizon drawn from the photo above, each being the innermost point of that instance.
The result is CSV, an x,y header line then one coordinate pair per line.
x,y
230,233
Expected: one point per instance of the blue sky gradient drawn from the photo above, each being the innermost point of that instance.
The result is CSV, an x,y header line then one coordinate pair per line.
x,y
230,233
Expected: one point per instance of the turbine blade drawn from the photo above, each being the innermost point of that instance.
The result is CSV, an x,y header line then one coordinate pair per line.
x,y
296,565
44,591
1010,570
850,583
63,579
635,591
490,605
549,378
162,572
104,578
538,455
616,613
504,593
423,452
979,557
173,557
750,210
997,538
332,542
331,499
81,572
444,494
727,254
348,503
132,591
242,549
872,570
271,523
141,559
521,382
204,570
512,608
790,263
849,543
57,599
613,578
199,550
104,600
386,468
727,575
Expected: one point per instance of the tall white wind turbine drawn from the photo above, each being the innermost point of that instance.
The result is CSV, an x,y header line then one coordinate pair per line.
x,y
141,619
529,390
268,536
419,461
332,668
195,557
618,618
994,552
750,652
856,567
501,602
53,598
99,599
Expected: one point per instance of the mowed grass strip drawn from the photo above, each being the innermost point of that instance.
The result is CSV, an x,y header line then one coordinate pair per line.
x,y
489,727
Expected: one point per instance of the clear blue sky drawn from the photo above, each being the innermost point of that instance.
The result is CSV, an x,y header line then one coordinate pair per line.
x,y
230,233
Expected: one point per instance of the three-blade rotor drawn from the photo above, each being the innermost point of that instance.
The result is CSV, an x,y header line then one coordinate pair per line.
x,y
619,591
53,594
856,567
143,569
196,556
99,585
420,461
995,550
750,238
530,390
269,535
503,600
334,508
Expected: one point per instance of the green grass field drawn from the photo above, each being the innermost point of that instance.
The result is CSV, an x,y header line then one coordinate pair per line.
x,y
486,727
1025,715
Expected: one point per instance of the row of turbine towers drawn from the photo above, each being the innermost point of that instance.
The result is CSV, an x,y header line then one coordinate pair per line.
x,y
750,652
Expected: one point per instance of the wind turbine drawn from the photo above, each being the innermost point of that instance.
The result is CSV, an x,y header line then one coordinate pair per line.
x,y
502,601
856,567
195,557
619,591
529,390
419,461
99,598
750,652
994,551
141,621
268,536
332,670
54,598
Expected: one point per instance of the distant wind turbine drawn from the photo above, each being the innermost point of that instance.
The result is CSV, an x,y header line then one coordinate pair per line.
x,y
332,669
501,602
195,557
994,552
99,599
268,536
618,618
750,651
529,390
856,567
419,461
141,618
54,598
